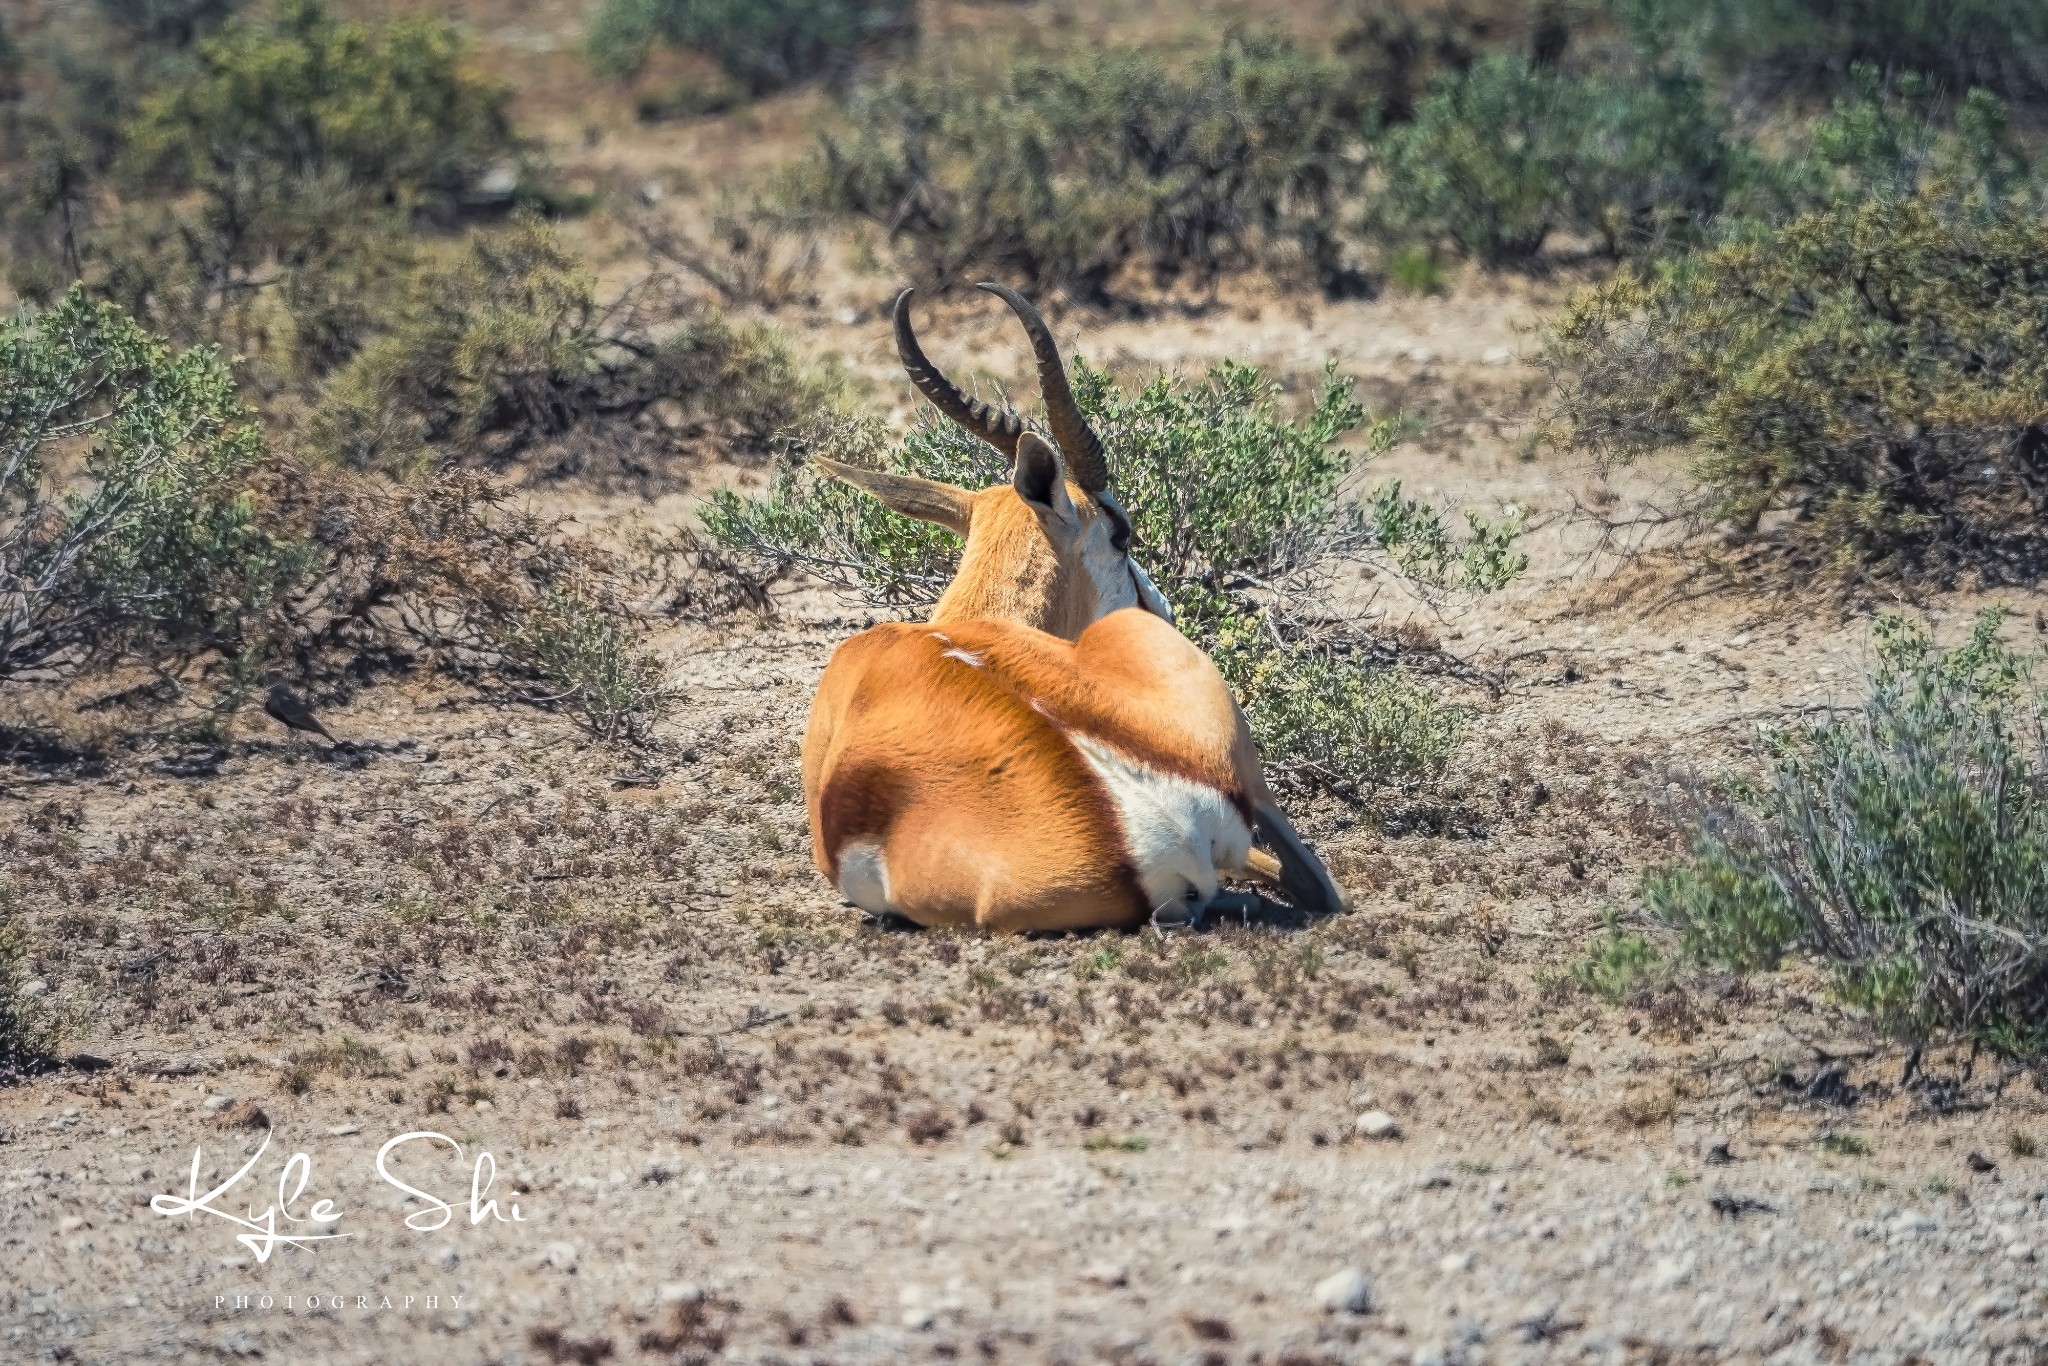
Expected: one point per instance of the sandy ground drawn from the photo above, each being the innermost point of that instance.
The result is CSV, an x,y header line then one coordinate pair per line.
x,y
736,1119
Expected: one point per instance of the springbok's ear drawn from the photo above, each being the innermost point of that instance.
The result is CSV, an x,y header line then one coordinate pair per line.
x,y
1040,479
925,499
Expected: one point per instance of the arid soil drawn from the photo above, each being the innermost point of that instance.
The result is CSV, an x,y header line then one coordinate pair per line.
x,y
740,1123
701,1077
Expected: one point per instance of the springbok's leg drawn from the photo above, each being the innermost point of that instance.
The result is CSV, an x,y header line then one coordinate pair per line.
x,y
1292,864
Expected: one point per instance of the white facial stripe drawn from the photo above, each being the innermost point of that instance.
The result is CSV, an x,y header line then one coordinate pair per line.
x,y
1149,596
1180,834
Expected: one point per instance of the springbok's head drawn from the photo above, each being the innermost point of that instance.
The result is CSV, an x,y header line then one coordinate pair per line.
x,y
1051,548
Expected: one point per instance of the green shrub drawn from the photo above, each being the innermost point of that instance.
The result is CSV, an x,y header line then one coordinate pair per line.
x,y
1880,141
1903,845
1617,962
1235,515
1328,719
1995,44
1503,155
302,150
1061,172
143,522
763,44
1872,369
588,659
275,104
504,343
128,526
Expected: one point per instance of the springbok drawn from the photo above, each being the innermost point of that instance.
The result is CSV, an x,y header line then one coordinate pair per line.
x,y
1047,752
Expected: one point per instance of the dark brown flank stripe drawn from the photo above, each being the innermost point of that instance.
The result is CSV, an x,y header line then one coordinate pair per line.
x,y
861,801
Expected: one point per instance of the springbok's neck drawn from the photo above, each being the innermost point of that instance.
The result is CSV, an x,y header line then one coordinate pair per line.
x,y
1012,574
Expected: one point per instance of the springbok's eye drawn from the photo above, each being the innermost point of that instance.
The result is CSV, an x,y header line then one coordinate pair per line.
x,y
1119,529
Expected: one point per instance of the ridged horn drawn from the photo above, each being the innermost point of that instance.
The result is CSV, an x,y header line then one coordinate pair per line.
x,y
1078,442
1000,430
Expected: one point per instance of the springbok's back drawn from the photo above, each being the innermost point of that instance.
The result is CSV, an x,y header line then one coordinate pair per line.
x,y
1048,752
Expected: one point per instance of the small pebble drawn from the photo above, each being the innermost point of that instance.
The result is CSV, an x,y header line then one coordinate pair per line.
x,y
1107,1275
681,1292
215,1104
1344,1292
1378,1124
344,1130
560,1256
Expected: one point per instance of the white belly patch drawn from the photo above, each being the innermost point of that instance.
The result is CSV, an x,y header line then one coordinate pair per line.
x,y
1182,835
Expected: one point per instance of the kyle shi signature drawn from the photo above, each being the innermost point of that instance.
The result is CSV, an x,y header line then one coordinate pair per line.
x,y
263,1236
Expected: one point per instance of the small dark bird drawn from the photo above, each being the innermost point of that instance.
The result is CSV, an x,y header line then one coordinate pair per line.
x,y
289,710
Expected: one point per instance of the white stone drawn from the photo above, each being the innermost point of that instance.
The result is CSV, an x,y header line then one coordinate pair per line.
x,y
918,1319
33,988
1377,1124
1497,355
560,1256
215,1104
1345,1292
344,1130
2020,1252
1911,1223
1455,1263
1108,1275
1670,1273
681,1292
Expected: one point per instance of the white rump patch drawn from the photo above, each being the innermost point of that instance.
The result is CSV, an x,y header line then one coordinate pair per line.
x,y
967,657
864,877
1182,835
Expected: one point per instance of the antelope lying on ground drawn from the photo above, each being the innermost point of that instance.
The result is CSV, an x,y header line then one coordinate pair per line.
x,y
1047,752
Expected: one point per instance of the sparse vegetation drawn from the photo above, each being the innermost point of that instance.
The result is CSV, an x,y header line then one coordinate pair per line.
x,y
1061,173
128,527
1502,155
1904,846
1867,375
763,44
1986,43
505,345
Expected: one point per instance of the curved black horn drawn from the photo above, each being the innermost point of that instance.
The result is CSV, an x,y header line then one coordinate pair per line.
x,y
1078,442
1000,430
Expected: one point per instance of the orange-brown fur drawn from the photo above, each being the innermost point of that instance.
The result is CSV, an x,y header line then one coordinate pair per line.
x,y
964,775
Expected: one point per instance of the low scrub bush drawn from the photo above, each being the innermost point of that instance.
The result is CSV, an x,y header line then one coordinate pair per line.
x,y
1235,515
504,343
1501,156
145,525
127,523
271,179
1871,370
1903,845
271,102
1063,172
2000,46
1896,140
763,44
